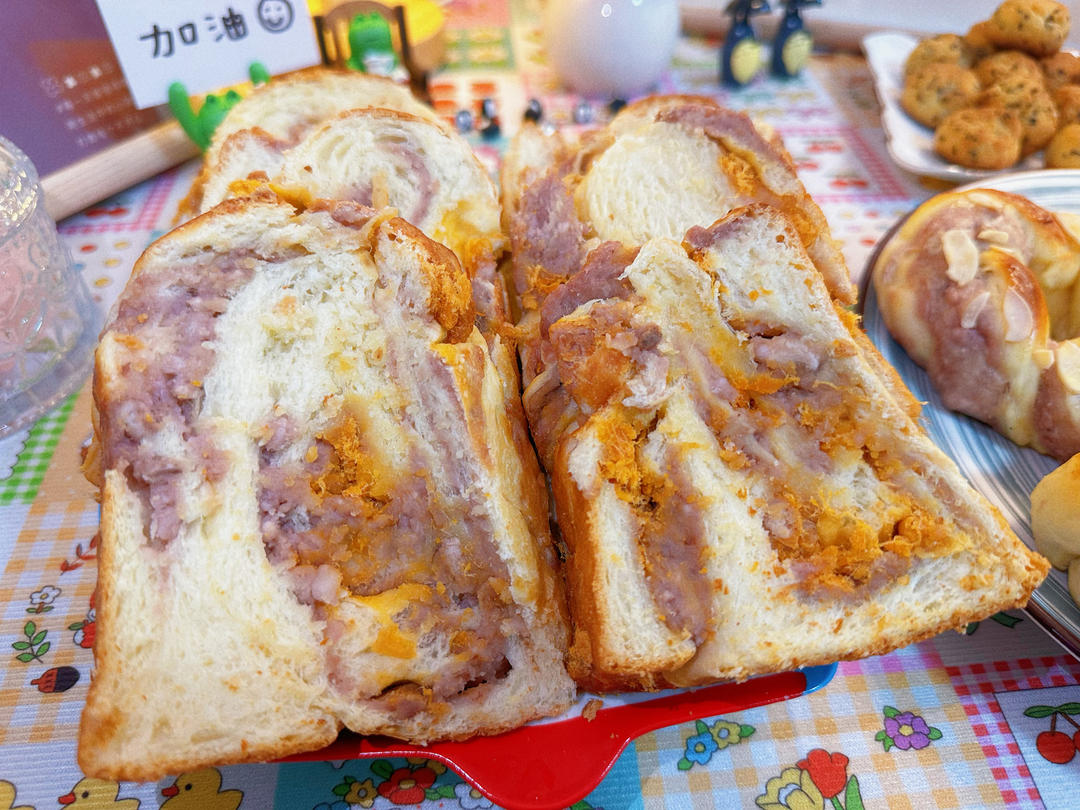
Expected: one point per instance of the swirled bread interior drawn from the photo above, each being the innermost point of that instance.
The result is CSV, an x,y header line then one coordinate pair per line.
x,y
285,109
383,157
315,510
663,165
739,489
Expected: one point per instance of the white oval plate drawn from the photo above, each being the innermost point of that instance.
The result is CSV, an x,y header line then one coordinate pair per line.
x,y
910,144
1002,471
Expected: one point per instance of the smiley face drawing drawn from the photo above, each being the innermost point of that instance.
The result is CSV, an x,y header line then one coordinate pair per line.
x,y
275,15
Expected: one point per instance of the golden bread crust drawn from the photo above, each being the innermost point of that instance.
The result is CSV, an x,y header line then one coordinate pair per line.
x,y
749,448
290,106
978,288
358,521
663,164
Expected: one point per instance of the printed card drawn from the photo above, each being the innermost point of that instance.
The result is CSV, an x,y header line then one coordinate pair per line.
x,y
206,45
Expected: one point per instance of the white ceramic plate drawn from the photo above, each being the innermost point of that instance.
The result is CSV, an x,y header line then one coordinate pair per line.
x,y
1002,471
910,144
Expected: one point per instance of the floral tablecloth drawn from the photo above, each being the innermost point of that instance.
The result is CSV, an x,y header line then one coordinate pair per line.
x,y
977,719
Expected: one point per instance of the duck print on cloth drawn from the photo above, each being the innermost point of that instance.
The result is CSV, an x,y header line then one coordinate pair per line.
x,y
7,798
96,794
200,790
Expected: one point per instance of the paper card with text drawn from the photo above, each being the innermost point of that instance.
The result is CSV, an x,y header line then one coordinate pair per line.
x,y
206,44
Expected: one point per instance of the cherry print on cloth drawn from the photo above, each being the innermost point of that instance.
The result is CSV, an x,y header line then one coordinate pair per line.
x,y
1054,744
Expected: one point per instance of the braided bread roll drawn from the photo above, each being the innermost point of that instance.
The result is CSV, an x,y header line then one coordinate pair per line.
x,y
981,289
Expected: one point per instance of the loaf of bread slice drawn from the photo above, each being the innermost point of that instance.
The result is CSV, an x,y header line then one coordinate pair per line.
x,y
317,510
662,165
383,158
739,489
280,112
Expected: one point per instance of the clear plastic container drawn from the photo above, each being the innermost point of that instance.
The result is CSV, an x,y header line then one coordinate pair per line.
x,y
48,322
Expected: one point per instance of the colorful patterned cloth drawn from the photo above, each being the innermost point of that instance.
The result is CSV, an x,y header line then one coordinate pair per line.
x,y
981,719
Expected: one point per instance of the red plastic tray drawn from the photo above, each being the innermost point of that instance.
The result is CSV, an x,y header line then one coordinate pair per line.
x,y
548,765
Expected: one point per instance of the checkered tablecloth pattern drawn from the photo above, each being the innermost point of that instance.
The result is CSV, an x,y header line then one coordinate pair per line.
x,y
959,721
31,451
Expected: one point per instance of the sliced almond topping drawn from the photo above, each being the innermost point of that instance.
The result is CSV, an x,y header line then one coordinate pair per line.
x,y
961,255
994,235
1010,251
1070,222
986,200
972,310
1044,358
1019,321
1068,365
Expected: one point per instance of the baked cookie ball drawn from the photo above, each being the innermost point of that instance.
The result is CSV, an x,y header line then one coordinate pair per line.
x,y
1010,64
948,48
978,41
1067,98
1033,106
1038,27
1063,151
1060,69
1012,92
936,90
979,138
1039,120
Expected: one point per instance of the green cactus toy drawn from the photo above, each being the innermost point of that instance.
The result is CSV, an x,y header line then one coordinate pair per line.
x,y
200,125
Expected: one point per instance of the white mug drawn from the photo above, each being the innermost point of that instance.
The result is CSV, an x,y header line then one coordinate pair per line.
x,y
616,48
